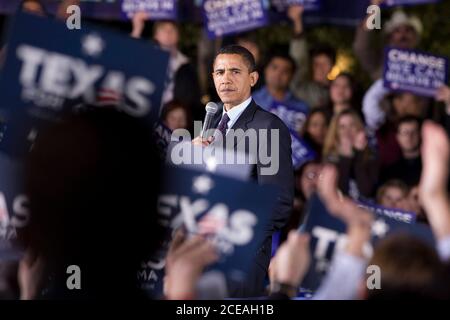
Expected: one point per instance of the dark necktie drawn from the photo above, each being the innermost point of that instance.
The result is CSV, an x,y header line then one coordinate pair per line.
x,y
223,124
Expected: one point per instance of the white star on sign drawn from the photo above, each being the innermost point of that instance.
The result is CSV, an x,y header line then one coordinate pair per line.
x,y
93,45
202,184
380,228
211,164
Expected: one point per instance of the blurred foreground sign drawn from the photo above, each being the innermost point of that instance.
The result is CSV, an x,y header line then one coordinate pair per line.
x,y
50,70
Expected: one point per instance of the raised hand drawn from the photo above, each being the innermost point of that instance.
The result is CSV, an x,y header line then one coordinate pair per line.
x,y
185,262
138,22
358,220
360,141
433,182
291,261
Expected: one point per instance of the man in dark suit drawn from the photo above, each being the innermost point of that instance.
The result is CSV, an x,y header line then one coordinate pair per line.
x,y
234,75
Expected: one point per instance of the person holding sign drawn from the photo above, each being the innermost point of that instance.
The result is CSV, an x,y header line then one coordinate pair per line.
x,y
234,75
310,81
401,31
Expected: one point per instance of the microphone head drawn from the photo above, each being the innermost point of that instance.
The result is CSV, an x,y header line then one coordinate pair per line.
x,y
211,107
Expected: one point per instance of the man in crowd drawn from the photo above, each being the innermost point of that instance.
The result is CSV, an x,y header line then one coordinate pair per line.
x,y
310,82
401,31
278,75
234,75
408,168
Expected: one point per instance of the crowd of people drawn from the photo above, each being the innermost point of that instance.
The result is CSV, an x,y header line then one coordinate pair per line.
x,y
389,148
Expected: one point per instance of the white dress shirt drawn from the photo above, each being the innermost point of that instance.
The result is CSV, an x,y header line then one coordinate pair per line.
x,y
235,112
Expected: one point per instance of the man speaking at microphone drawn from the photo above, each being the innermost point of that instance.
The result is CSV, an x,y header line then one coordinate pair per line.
x,y
234,74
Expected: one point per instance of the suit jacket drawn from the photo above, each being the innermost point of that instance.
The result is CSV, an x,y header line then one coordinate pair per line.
x,y
255,117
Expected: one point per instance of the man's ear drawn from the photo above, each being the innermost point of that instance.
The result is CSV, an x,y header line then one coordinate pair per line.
x,y
254,76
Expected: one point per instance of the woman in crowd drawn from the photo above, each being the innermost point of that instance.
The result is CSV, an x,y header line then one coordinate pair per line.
x,y
344,94
346,146
315,130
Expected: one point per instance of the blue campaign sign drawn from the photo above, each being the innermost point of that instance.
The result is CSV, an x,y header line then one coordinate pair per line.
x,y
224,17
392,3
301,151
397,214
162,136
308,5
14,213
232,214
294,118
417,72
54,70
156,9
328,234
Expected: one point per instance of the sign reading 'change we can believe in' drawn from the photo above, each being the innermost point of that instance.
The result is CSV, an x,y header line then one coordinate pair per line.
x,y
392,3
414,71
224,17
156,9
308,5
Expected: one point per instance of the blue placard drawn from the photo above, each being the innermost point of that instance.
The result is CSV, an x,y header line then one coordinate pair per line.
x,y
162,135
14,207
396,214
308,5
328,233
233,213
413,71
392,3
156,9
301,151
53,70
224,17
294,118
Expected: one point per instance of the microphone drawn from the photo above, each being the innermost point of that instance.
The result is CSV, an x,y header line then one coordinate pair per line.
x,y
211,109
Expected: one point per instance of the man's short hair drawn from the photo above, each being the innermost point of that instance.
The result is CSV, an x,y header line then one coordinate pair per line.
x,y
159,23
249,60
410,269
281,55
409,119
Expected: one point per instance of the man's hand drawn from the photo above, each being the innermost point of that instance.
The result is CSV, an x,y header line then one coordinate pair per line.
x,y
61,12
358,220
360,142
433,182
138,22
185,262
295,13
199,141
345,147
291,261
376,2
30,276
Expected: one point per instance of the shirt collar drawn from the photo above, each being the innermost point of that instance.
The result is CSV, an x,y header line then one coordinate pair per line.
x,y
236,111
